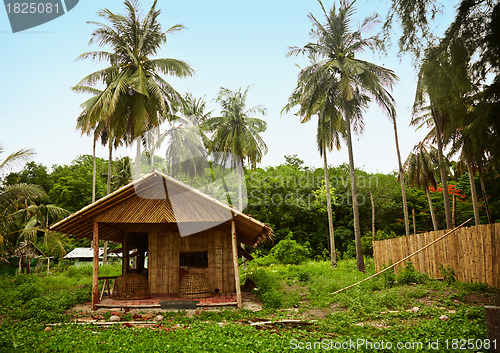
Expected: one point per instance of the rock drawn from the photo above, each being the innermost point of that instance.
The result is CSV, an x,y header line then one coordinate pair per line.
x,y
158,318
48,329
444,318
451,311
114,318
221,324
415,309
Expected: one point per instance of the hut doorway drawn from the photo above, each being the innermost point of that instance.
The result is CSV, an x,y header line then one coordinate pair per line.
x,y
135,253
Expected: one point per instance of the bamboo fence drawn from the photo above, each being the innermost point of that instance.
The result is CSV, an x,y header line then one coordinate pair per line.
x,y
472,252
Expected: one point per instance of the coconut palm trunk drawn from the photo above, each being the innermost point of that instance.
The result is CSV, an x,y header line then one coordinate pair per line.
x,y
483,190
402,180
360,262
442,170
475,206
431,208
333,252
374,234
138,158
239,167
108,191
94,168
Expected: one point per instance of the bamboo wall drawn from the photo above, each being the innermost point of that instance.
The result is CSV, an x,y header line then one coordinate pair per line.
x,y
163,258
473,253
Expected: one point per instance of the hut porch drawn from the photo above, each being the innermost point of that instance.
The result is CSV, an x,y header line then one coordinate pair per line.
x,y
156,301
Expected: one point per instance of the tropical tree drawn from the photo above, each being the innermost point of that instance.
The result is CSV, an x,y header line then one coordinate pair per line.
x,y
430,108
122,175
186,152
336,46
419,168
24,211
309,96
236,133
401,178
136,98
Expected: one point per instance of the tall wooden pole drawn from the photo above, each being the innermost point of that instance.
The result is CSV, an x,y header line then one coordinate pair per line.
x,y
125,259
373,216
234,243
414,221
95,266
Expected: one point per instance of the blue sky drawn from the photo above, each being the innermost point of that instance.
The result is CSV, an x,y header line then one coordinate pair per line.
x,y
228,43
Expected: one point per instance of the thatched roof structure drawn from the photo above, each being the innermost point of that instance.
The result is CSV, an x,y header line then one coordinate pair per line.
x,y
157,198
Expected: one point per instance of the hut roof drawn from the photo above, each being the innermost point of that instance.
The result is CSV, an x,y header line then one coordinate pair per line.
x,y
29,249
86,253
157,198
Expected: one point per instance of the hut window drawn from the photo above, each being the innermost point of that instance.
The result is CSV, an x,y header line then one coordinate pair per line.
x,y
194,259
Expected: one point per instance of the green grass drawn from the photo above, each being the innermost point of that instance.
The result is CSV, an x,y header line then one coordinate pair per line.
x,y
374,311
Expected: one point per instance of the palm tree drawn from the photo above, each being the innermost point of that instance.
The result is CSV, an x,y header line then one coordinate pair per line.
x,y
419,167
467,158
136,98
23,209
336,46
309,96
236,133
430,107
122,175
186,152
401,179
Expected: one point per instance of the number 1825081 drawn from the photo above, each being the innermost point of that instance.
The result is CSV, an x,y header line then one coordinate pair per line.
x,y
32,7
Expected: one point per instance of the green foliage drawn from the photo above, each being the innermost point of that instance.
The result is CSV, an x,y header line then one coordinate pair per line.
x,y
410,275
28,303
269,288
448,274
288,251
389,276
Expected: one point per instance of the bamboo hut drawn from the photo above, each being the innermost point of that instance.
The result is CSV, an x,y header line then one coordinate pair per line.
x,y
190,239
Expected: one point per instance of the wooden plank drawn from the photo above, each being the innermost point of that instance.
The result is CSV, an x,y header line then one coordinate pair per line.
x,y
152,260
226,260
235,262
176,262
125,257
95,265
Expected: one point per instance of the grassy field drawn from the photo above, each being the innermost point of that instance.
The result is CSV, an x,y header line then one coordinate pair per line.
x,y
379,315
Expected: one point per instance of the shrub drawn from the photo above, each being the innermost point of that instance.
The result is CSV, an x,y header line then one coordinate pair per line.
x,y
389,277
448,274
288,251
410,275
269,287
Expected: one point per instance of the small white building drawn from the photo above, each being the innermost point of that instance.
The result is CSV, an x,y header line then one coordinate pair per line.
x,y
83,256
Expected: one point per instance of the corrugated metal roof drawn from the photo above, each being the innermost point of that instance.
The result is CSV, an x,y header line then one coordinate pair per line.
x,y
86,253
157,198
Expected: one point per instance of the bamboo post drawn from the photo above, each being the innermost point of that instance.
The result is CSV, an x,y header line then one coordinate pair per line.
x,y
125,259
95,266
404,259
235,262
